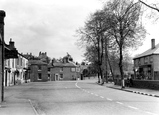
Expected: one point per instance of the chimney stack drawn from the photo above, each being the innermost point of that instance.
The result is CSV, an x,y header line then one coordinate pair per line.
x,y
152,43
11,44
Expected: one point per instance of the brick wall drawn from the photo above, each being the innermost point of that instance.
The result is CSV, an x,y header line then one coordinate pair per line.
x,y
67,73
147,84
35,71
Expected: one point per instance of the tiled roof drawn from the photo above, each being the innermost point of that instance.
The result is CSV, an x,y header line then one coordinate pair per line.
x,y
37,62
149,52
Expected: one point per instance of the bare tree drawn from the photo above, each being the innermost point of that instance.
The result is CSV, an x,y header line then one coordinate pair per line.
x,y
92,36
124,26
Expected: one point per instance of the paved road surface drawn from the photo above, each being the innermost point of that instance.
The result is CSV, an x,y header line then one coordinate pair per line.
x,y
84,98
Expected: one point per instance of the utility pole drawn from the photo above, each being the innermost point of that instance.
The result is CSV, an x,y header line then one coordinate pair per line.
x,y
106,60
2,15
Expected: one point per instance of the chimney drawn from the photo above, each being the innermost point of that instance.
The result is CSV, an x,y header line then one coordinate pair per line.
x,y
11,44
40,53
152,43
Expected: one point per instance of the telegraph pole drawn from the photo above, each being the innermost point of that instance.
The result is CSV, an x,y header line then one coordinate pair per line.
x,y
106,60
2,15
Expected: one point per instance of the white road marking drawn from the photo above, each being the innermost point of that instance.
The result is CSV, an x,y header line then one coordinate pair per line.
x,y
65,87
119,103
92,93
77,85
101,96
33,107
95,94
109,99
132,107
151,113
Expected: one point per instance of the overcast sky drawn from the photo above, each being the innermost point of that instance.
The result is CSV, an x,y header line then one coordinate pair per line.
x,y
46,25
50,25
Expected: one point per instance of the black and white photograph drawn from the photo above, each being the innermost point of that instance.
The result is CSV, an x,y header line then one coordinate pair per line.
x,y
79,57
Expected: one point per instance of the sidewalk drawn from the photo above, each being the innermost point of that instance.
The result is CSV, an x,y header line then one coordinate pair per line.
x,y
14,105
148,92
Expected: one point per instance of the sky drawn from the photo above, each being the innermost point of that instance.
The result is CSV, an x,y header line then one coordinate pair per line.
x,y
150,21
47,25
50,26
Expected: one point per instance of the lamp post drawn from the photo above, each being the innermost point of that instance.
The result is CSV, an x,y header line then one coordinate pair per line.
x,y
2,15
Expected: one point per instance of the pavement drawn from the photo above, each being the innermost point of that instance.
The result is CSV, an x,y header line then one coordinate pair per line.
x,y
14,105
147,92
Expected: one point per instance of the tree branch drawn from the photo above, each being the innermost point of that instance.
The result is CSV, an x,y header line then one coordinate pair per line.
x,y
149,6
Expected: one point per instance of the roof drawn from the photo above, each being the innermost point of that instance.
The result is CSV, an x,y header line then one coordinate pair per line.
x,y
60,64
149,52
37,62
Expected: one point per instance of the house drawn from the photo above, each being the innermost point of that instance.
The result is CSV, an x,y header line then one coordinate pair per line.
x,y
64,70
146,68
146,65
38,71
15,66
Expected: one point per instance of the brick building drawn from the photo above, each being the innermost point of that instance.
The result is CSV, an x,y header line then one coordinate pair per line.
x,y
64,70
146,65
38,70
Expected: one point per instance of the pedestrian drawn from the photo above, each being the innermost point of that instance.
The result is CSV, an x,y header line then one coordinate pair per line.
x,y
128,82
131,82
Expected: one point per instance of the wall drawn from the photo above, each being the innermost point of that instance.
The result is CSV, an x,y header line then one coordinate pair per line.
x,y
67,73
147,84
35,71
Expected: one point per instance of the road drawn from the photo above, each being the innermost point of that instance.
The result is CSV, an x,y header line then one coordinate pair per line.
x,y
84,98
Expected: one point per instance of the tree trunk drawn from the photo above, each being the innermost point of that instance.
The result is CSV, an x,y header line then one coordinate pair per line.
x,y
101,74
121,68
98,78
110,66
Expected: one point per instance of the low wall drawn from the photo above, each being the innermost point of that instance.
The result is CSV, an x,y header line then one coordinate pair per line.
x,y
148,84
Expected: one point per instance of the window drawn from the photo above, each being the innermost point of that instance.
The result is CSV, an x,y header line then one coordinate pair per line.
x,y
18,60
49,76
61,76
9,63
73,69
39,67
39,76
21,61
77,69
146,59
151,59
139,61
48,69
61,69
13,63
